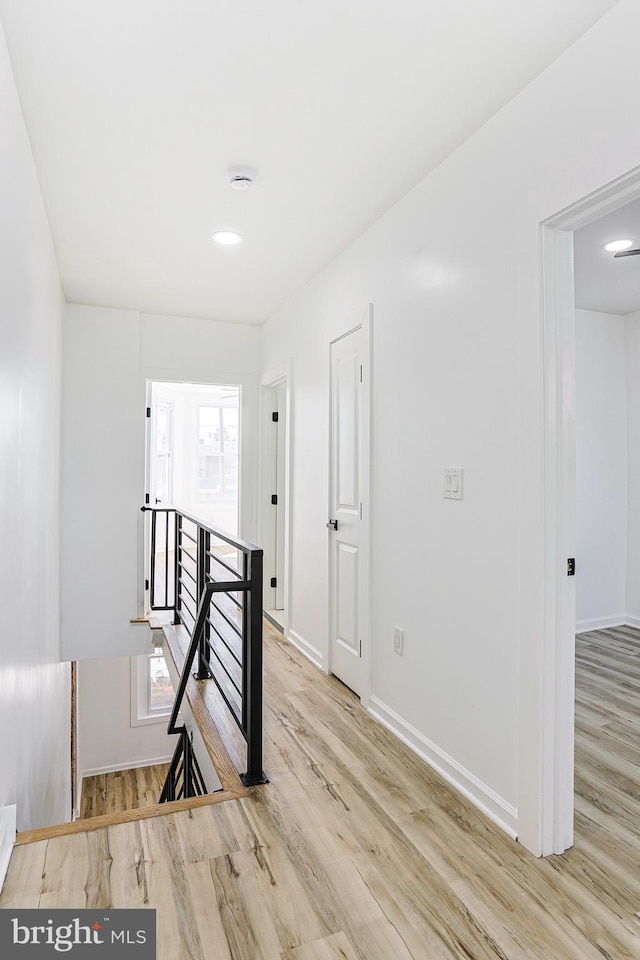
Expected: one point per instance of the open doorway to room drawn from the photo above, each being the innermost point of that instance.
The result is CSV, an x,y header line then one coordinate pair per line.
x,y
607,336
607,367
194,443
587,687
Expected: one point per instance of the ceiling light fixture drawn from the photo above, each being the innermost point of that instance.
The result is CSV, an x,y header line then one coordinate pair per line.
x,y
614,246
228,238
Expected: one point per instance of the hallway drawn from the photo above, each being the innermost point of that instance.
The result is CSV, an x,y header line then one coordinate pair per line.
x,y
357,850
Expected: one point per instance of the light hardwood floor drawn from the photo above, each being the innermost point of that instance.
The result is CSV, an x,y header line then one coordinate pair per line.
x,y
122,790
356,850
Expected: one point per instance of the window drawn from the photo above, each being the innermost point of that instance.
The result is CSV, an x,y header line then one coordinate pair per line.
x,y
217,453
152,693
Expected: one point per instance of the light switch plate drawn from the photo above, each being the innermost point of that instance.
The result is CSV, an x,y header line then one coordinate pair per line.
x,y
452,483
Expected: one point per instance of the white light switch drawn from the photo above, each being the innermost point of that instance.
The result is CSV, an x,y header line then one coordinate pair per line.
x,y
452,483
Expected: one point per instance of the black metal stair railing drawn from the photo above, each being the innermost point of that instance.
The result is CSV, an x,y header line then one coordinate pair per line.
x,y
184,778
212,582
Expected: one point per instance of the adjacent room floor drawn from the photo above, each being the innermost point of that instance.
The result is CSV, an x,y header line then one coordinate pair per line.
x,y
607,771
357,850
122,790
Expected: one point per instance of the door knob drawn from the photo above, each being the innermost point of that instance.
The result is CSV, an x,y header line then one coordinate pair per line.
x,y
333,525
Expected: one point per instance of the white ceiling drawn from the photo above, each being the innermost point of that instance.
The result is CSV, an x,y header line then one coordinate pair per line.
x,y
136,109
601,282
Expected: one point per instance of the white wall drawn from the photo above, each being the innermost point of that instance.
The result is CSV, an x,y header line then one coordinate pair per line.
x,y
453,271
602,485
102,481
632,328
108,357
106,739
34,687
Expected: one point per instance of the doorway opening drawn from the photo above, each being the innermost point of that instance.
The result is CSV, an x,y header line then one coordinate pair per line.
x,y
607,362
194,443
561,237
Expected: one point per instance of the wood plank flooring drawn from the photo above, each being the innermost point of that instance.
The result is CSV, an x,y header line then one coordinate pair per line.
x,y
357,850
123,790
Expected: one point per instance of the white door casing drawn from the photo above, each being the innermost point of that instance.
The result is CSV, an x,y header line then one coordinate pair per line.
x,y
349,507
280,396
275,478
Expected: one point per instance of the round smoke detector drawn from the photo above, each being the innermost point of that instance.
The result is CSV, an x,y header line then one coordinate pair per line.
x,y
241,178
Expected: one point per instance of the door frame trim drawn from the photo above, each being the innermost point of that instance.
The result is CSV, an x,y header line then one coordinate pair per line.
x,y
365,324
546,747
273,378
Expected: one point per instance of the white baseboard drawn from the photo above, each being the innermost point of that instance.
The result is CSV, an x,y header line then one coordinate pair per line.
x,y
276,618
125,766
7,838
487,800
602,623
630,621
309,651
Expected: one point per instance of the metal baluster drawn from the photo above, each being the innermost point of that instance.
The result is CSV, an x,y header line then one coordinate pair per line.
x,y
152,571
245,644
166,558
203,672
177,562
253,693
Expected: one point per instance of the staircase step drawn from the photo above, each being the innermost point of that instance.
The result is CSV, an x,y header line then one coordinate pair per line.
x,y
205,704
157,621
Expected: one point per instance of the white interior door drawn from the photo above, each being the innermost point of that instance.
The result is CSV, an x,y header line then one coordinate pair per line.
x,y
349,508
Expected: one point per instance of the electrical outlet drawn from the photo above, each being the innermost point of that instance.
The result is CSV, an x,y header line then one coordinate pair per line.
x,y
398,641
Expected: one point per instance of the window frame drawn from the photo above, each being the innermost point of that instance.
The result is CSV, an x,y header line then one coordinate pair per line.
x,y
141,714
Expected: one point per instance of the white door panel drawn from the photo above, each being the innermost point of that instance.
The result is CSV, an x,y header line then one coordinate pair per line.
x,y
347,597
348,381
349,508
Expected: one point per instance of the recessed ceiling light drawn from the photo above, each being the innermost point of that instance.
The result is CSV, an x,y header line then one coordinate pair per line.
x,y
615,246
228,237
